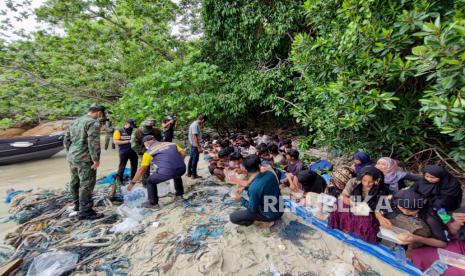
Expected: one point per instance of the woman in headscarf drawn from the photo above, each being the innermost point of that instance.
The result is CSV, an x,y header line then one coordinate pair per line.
x,y
439,187
339,178
361,160
442,191
357,215
393,175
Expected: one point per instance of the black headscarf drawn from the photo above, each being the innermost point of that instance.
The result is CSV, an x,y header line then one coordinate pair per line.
x,y
311,181
446,194
376,191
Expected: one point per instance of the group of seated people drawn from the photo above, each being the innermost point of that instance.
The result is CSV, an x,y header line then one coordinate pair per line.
x,y
368,197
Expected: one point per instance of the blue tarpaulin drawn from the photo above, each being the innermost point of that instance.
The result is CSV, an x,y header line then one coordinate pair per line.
x,y
379,251
321,166
109,178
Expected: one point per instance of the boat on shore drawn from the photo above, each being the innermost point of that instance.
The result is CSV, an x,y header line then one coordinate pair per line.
x,y
21,149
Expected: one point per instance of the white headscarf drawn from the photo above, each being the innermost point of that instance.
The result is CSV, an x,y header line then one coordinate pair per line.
x,y
392,174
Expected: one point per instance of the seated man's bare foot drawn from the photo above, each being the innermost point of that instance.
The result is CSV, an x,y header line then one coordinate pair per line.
x,y
264,224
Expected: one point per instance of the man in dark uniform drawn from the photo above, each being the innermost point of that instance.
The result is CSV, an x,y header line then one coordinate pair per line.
x,y
122,138
169,161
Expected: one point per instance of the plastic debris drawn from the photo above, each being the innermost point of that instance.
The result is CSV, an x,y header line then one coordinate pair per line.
x,y
136,197
12,194
133,213
52,263
126,226
166,188
272,271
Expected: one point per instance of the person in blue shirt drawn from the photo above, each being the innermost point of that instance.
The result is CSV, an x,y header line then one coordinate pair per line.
x,y
264,196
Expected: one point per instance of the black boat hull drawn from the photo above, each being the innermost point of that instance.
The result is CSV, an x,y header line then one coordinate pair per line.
x,y
21,149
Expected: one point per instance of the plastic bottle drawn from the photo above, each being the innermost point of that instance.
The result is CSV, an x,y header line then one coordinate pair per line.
x,y
135,198
436,269
445,217
399,253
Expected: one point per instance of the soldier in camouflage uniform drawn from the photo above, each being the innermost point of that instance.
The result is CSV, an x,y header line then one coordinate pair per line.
x,y
137,144
82,142
109,130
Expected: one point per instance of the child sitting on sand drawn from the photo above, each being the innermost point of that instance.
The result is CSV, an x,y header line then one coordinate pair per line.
x,y
217,166
424,256
286,145
405,207
293,167
279,159
247,148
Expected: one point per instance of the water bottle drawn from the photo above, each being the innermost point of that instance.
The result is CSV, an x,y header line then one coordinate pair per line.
x,y
445,217
436,269
399,253
135,198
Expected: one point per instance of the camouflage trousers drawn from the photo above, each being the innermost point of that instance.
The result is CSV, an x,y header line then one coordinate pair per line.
x,y
82,184
109,138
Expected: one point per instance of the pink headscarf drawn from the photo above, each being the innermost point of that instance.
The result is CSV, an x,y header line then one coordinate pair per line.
x,y
392,174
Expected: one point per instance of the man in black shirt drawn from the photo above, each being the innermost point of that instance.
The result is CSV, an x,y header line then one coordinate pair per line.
x,y
169,123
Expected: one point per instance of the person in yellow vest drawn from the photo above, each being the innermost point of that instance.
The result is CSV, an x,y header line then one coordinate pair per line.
x,y
169,160
122,138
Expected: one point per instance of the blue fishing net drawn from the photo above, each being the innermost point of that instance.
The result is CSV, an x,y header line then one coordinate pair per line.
x,y
202,232
187,246
296,232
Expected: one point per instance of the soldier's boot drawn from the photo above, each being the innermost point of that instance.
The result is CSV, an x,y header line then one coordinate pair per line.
x,y
90,215
76,206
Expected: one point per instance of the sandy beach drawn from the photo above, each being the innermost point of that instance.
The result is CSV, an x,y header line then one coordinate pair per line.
x,y
222,248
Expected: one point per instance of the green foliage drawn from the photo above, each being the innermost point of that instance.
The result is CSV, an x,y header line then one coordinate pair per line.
x,y
369,66
250,42
175,88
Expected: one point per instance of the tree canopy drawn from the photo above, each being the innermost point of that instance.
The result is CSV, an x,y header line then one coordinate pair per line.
x,y
385,76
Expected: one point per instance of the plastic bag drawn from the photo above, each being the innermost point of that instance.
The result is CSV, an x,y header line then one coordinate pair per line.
x,y
360,209
132,217
136,197
165,188
126,226
52,263
128,212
